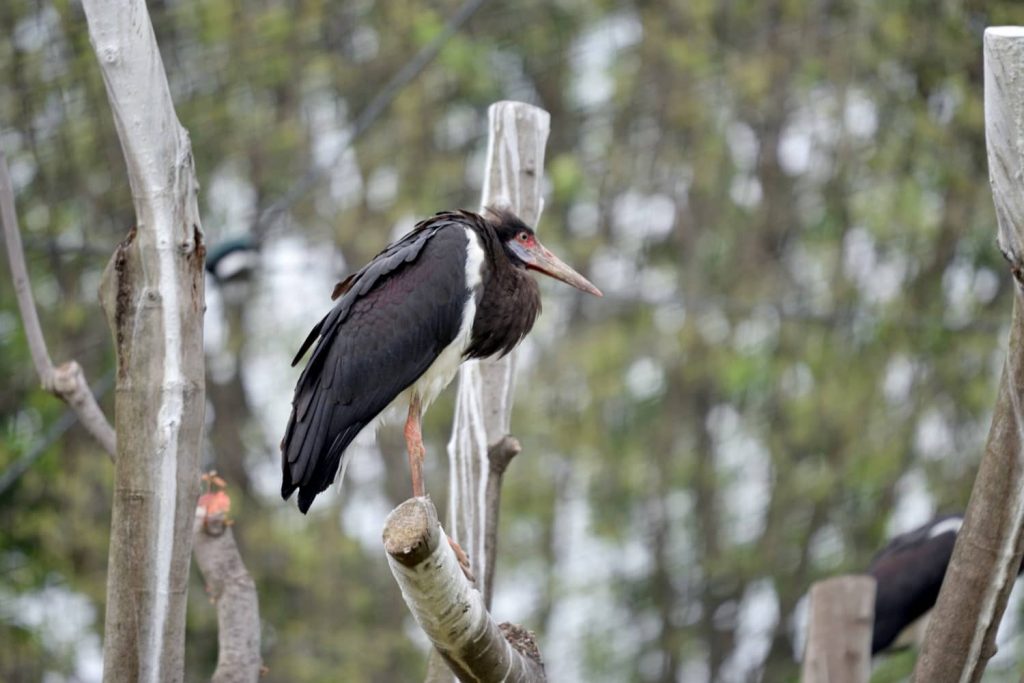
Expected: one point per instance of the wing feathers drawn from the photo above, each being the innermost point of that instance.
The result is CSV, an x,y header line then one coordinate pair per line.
x,y
394,317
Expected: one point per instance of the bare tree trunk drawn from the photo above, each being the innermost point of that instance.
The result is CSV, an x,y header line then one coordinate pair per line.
x,y
839,632
960,637
152,293
483,406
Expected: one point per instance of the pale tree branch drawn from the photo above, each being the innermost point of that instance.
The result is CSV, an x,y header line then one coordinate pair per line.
x,y
66,381
232,590
483,404
960,638
498,457
839,631
448,609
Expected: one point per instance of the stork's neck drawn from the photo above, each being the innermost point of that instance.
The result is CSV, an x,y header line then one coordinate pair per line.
x,y
508,303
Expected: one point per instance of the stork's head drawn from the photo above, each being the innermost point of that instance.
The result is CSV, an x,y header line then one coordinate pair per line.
x,y
524,250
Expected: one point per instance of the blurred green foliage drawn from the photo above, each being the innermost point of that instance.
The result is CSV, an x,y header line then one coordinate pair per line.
x,y
786,204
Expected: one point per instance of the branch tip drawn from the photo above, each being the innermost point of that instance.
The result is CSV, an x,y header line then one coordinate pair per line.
x,y
411,531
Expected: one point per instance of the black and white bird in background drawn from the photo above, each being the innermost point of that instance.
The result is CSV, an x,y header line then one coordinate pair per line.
x,y
456,287
908,572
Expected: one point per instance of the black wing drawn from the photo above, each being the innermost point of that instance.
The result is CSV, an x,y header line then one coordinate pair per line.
x,y
909,573
393,319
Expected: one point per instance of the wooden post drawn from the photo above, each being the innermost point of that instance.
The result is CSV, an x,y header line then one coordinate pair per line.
x,y
483,405
152,293
839,631
960,638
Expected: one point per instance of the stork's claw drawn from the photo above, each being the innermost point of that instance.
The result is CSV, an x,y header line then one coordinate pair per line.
x,y
463,559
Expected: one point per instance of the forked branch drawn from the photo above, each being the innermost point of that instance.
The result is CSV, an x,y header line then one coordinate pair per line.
x,y
66,381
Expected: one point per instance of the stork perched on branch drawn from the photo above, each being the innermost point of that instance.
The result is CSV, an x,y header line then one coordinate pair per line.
x,y
454,288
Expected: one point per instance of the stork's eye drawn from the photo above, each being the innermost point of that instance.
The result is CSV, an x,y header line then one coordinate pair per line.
x,y
523,237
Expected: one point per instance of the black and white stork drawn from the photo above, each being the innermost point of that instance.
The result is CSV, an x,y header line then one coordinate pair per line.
x,y
909,572
456,287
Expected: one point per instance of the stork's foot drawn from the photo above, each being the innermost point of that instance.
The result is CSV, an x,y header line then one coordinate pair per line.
x,y
463,559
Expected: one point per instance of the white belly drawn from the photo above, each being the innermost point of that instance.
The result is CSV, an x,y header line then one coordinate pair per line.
x,y
444,368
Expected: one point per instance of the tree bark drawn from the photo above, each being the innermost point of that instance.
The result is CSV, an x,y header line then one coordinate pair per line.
x,y
448,609
960,637
152,293
839,631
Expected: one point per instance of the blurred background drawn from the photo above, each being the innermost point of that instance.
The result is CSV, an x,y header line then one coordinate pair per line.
x,y
785,203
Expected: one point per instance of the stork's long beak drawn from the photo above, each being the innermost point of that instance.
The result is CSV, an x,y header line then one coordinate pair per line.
x,y
539,258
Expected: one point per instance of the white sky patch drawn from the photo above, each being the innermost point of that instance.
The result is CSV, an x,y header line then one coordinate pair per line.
x,y
37,30
595,53
584,219
670,317
795,148
365,505
861,114
878,278
758,615
230,204
658,285
382,188
459,124
638,218
914,505
294,272
1009,638
587,607
713,325
743,463
811,270
898,379
645,379
986,285
617,272
64,621
743,145
364,44
933,438
745,190
331,134
827,548
758,332
797,380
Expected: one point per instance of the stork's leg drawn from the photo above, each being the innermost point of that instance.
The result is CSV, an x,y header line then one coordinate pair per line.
x,y
414,444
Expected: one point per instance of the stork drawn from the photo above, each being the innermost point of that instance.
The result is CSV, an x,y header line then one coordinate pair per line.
x,y
456,287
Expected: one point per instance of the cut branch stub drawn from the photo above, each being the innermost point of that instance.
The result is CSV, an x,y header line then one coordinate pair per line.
x,y
839,631
448,609
232,589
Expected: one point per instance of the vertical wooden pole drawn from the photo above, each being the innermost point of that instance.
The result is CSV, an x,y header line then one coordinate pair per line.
x,y
839,631
960,638
483,407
